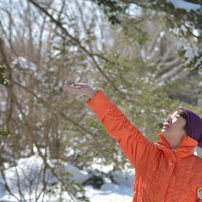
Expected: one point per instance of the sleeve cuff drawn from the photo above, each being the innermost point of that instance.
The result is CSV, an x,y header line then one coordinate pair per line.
x,y
101,104
93,97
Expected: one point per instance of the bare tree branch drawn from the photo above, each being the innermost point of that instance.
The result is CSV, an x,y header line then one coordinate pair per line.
x,y
78,43
6,184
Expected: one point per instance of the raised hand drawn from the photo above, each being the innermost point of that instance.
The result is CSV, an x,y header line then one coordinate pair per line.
x,y
81,89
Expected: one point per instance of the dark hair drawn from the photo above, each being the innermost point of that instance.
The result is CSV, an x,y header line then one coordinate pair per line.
x,y
184,116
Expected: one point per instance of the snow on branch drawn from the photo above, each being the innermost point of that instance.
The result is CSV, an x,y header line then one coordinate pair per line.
x,y
188,6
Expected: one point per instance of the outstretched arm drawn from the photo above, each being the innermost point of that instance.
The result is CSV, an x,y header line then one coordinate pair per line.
x,y
132,142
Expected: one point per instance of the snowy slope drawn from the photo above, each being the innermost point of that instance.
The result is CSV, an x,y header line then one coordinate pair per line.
x,y
29,169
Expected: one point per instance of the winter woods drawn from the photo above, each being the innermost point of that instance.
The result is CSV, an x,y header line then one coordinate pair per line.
x,y
145,55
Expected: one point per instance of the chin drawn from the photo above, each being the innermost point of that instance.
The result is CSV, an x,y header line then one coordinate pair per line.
x,y
164,133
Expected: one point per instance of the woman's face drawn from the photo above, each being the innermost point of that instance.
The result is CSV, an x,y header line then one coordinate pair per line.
x,y
173,129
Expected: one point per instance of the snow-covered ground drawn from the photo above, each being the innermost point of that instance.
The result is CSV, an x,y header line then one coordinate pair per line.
x,y
110,192
28,176
29,170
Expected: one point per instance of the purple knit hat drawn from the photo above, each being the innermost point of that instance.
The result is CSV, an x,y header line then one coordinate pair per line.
x,y
194,123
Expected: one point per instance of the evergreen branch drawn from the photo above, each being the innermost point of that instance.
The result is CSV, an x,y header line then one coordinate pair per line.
x,y
4,81
6,132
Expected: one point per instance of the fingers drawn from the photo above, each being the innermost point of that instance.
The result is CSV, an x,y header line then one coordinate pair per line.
x,y
79,84
72,89
66,87
69,88
75,87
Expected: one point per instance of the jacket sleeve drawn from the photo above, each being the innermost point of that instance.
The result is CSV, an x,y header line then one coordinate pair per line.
x,y
132,142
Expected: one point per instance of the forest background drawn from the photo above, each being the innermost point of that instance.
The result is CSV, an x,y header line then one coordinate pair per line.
x,y
146,56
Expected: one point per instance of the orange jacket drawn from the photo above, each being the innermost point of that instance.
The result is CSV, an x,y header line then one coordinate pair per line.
x,y
161,173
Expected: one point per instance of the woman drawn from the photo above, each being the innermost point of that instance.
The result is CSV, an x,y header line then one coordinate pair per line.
x,y
164,171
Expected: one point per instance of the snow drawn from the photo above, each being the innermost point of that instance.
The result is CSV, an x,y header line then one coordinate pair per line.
x,y
24,64
179,45
191,53
126,178
188,6
29,170
26,168
142,54
80,176
162,33
124,90
3,106
110,192
56,54
97,165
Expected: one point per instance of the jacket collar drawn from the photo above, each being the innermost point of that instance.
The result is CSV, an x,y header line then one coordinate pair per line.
x,y
186,147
